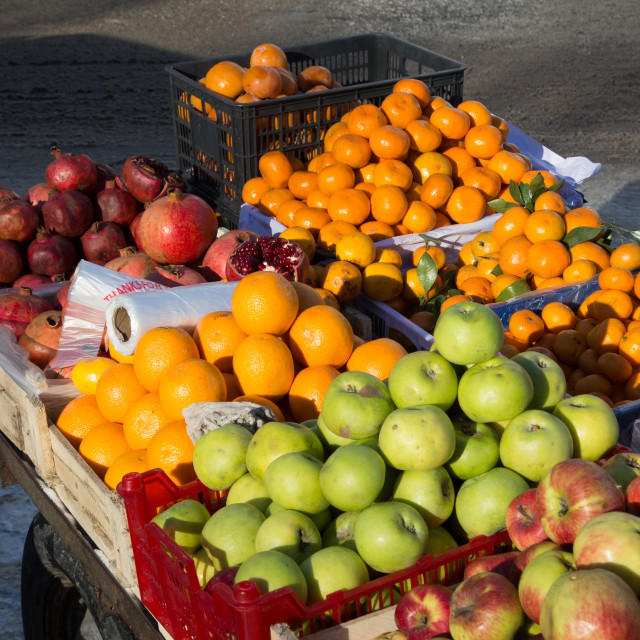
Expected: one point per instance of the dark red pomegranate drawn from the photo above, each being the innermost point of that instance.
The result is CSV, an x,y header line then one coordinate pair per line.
x,y
38,194
102,242
132,262
31,280
114,204
18,220
215,259
18,309
9,194
177,228
105,173
50,254
133,228
41,337
175,274
10,262
147,179
69,171
68,213
268,254
62,294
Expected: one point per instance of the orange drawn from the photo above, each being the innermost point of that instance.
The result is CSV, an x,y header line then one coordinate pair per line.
x,y
519,345
629,347
582,217
157,351
264,302
86,373
311,218
595,383
477,112
548,258
356,247
144,418
275,167
626,256
483,141
321,336
302,183
611,303
486,180
551,201
616,278
465,255
423,136
392,172
568,346
412,289
262,82
233,386
365,174
636,288
225,78
127,462
388,256
465,272
442,220
584,326
485,268
586,306
217,336
277,411
302,237
308,389
389,204
501,124
452,122
376,357
579,270
287,211
271,200
264,366
461,161
328,297
307,296
343,279
114,354
389,142
253,190
501,282
509,166
190,381
355,150
513,256
429,163
419,218
605,336
478,288
558,316
117,390
615,367
526,326
171,450
435,103
511,223
349,204
382,281
78,417
438,255
465,204
334,177
318,163
366,118
455,299
268,55
556,281
334,132
436,190
548,178
484,244
418,89
588,361
377,230
400,108
544,225
102,445
331,232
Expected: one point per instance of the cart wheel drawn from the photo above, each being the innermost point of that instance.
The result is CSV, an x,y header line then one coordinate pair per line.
x,y
53,607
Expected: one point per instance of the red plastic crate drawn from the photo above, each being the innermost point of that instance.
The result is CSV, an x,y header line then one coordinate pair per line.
x,y
169,586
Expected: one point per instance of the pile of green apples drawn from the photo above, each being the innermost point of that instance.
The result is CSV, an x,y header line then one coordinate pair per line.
x,y
391,470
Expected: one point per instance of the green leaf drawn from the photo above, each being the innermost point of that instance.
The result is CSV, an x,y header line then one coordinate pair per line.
x,y
537,182
449,279
513,290
514,190
427,271
635,235
497,270
525,192
581,234
500,206
556,186
536,192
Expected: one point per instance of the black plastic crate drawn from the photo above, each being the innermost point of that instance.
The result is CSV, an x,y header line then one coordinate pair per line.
x,y
218,154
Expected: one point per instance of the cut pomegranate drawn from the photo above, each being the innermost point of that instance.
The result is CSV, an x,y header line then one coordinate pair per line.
x,y
214,262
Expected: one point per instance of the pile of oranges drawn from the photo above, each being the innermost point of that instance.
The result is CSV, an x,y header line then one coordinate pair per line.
x,y
597,344
275,348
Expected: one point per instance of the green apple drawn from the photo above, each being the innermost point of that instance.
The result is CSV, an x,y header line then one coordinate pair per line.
x,y
499,426
390,536
272,570
592,423
274,439
293,481
291,532
549,382
430,491
533,442
219,456
320,519
333,569
477,450
230,534
481,503
183,522
440,541
330,441
339,532
417,438
248,489
423,377
623,468
352,477
205,569
493,390
355,405
468,333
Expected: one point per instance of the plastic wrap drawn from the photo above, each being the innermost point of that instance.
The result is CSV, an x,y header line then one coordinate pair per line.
x,y
14,361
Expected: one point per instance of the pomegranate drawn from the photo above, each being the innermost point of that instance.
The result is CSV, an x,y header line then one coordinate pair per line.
x,y
41,337
31,280
68,213
175,274
268,254
102,242
18,220
57,374
69,171
18,309
105,173
147,179
215,259
133,228
38,194
9,194
62,294
50,254
115,205
10,262
132,262
177,228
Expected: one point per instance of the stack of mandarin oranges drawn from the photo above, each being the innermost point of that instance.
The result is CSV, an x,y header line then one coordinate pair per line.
x,y
274,347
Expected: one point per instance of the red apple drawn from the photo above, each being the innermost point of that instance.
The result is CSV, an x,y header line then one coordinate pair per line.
x,y
526,556
423,612
501,563
485,607
571,493
523,522
590,604
633,497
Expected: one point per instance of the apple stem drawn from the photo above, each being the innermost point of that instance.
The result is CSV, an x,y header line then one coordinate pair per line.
x,y
564,507
525,514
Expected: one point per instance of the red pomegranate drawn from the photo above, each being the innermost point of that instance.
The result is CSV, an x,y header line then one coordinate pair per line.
x,y
18,309
268,254
18,220
51,254
62,294
102,242
31,280
38,194
41,337
105,173
177,228
10,262
133,228
132,262
68,213
114,204
69,171
215,259
10,194
147,179
171,275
